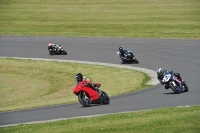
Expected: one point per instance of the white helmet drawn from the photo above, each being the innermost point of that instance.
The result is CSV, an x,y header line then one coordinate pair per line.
x,y
159,71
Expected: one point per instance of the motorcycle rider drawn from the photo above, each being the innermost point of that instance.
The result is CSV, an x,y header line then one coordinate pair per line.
x,y
121,53
54,46
88,82
49,45
57,47
161,73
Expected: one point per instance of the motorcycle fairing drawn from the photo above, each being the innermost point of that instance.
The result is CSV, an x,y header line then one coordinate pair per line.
x,y
174,80
94,95
178,83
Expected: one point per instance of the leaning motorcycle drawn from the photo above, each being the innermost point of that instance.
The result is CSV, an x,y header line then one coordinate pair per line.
x,y
57,51
175,84
88,96
128,57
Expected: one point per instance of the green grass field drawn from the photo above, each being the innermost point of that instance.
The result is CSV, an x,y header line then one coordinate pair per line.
x,y
29,84
92,18
105,18
167,120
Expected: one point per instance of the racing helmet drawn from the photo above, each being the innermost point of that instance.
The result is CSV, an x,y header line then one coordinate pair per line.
x,y
120,49
159,71
49,44
79,77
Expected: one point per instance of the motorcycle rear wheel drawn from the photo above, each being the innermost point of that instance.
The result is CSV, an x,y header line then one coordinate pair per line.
x,y
106,99
82,99
136,61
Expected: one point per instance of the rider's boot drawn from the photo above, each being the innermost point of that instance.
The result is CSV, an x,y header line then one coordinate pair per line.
x,y
123,60
166,87
100,92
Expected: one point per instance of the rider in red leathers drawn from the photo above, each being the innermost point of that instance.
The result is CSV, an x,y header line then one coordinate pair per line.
x,y
88,82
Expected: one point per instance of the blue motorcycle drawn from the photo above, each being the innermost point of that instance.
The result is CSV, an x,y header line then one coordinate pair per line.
x,y
175,84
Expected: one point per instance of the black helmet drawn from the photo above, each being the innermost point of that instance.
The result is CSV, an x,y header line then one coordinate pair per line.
x,y
120,49
159,71
79,77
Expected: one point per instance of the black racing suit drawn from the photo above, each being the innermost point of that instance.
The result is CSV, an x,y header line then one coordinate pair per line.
x,y
122,54
160,77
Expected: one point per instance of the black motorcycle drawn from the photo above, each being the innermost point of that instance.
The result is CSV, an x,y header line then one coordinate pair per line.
x,y
58,50
128,57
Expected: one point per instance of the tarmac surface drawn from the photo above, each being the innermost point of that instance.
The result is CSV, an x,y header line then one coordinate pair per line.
x,y
179,55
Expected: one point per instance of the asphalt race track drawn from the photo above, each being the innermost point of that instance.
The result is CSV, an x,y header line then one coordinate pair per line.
x,y
181,56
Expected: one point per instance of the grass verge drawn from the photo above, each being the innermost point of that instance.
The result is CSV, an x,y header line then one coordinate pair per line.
x,y
106,18
29,84
170,120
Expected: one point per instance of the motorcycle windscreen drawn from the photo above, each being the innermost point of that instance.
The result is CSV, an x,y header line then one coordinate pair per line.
x,y
77,88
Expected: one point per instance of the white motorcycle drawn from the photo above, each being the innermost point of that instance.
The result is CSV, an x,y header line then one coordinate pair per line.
x,y
175,84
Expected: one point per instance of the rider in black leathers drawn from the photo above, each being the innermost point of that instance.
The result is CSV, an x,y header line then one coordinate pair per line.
x,y
161,73
122,51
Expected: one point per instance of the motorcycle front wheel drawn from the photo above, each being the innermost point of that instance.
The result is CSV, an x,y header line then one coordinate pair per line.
x,y
51,53
83,99
64,52
174,88
186,88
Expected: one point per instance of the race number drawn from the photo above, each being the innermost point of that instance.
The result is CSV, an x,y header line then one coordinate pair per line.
x,y
166,78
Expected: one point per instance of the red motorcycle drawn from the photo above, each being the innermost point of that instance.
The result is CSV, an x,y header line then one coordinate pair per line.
x,y
87,95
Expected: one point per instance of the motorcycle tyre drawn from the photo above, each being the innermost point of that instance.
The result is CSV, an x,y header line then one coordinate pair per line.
x,y
51,53
174,89
83,101
136,61
106,99
186,88
64,52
